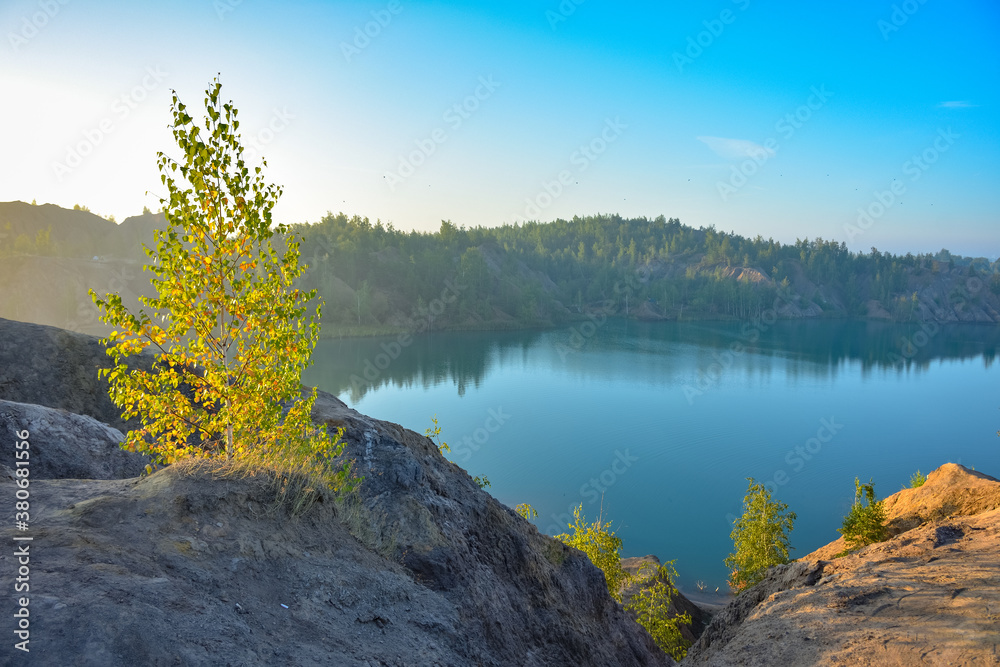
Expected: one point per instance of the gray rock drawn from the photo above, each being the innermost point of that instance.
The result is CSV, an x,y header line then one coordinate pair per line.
x,y
64,445
727,623
58,369
529,599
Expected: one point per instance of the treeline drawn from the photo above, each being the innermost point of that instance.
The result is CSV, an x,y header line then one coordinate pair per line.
x,y
373,275
375,278
23,244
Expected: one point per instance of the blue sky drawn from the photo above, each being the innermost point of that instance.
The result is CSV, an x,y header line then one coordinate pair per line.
x,y
868,122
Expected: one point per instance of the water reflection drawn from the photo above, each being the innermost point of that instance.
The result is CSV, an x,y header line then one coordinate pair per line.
x,y
646,352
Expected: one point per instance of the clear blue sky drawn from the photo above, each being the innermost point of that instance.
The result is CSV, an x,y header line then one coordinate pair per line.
x,y
698,131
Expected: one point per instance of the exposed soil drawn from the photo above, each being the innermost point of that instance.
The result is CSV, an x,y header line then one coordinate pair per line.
x,y
929,596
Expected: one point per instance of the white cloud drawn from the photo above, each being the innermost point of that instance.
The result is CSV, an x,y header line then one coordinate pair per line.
x,y
957,104
735,149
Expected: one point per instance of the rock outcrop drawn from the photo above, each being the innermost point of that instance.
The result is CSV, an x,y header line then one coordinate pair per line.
x,y
66,446
56,368
518,590
928,596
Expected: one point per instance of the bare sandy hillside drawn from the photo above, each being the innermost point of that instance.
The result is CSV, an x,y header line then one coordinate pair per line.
x,y
928,596
950,491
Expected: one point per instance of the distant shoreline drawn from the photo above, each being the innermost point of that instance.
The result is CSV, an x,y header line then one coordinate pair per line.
x,y
336,332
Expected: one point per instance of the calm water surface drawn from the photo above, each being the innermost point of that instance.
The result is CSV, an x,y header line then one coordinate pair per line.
x,y
662,423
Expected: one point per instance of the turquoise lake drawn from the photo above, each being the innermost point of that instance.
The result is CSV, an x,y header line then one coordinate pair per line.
x,y
661,423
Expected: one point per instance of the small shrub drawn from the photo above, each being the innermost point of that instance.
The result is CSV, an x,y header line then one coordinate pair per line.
x,y
555,551
917,480
434,433
481,481
760,537
526,511
602,547
866,522
651,606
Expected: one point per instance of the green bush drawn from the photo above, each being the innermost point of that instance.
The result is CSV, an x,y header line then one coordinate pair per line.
x,y
230,330
602,546
917,480
434,434
526,511
760,537
651,606
866,522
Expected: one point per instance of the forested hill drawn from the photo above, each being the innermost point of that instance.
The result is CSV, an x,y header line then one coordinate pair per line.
x,y
374,278
373,275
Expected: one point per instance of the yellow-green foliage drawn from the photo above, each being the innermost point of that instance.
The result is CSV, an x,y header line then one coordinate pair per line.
x,y
434,433
230,333
602,546
917,480
866,522
760,537
526,511
651,605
